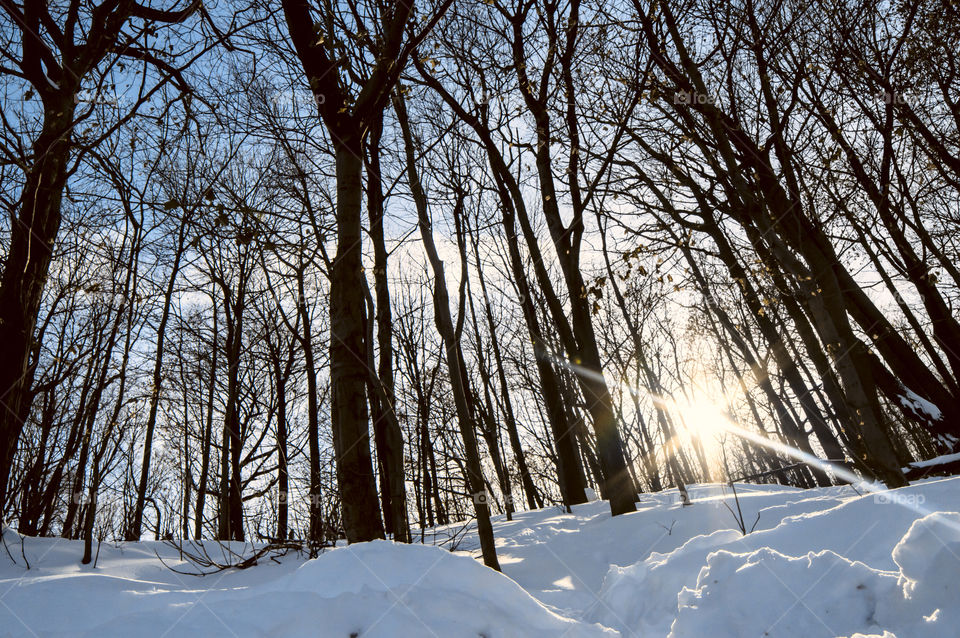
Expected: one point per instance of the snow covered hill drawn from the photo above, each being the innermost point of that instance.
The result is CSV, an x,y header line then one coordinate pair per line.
x,y
826,562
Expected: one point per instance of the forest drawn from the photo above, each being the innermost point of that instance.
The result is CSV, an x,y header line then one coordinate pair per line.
x,y
294,271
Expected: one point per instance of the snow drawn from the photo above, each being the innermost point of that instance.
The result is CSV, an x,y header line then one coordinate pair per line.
x,y
371,589
937,460
824,562
913,401
821,594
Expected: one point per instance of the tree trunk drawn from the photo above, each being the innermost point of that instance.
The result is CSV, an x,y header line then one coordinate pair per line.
x,y
389,438
450,336
313,411
134,532
32,236
348,370
208,429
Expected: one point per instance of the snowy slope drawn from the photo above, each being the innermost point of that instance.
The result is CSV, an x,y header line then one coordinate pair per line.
x,y
825,562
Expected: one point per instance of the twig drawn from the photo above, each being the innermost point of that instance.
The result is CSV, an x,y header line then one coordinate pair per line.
x,y
22,551
4,538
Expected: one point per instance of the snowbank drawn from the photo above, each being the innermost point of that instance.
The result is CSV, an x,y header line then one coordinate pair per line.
x,y
832,596
378,589
742,594
727,585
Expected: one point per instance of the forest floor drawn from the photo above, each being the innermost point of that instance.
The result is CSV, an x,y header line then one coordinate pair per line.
x,y
824,562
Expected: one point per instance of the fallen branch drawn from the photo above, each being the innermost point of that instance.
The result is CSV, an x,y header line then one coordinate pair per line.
x,y
199,556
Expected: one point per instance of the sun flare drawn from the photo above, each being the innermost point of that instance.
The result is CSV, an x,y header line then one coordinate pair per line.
x,y
703,418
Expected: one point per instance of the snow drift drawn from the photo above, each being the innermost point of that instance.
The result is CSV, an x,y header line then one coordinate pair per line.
x,y
825,562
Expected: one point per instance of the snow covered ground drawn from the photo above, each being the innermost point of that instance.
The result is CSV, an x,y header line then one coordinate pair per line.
x,y
826,562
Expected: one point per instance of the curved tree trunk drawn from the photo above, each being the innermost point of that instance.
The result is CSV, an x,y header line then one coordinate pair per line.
x,y
451,342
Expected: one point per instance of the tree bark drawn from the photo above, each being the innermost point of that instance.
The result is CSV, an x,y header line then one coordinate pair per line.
x,y
389,438
348,360
32,236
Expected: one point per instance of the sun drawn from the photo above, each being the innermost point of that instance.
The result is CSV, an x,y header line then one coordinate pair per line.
x,y
704,426
704,418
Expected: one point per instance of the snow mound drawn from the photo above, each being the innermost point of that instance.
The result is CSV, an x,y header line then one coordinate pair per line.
x,y
766,593
929,560
725,593
416,590
642,599
379,589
